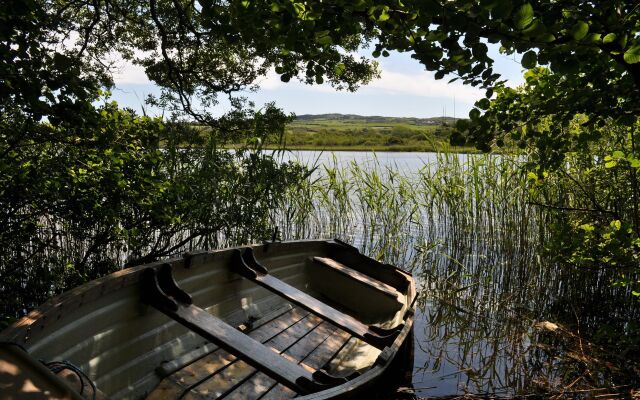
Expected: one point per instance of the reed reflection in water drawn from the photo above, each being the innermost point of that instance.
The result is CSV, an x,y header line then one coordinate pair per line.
x,y
496,316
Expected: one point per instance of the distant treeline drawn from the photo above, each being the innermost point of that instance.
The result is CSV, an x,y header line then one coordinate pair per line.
x,y
376,119
355,132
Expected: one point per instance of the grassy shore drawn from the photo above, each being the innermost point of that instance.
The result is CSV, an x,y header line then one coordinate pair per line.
x,y
440,147
337,132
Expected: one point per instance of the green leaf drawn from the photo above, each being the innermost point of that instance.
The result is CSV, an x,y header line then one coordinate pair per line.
x,y
474,113
488,4
323,38
462,124
529,59
523,16
479,50
610,164
384,14
622,41
616,225
502,9
632,56
608,38
536,28
566,67
62,61
618,154
339,69
587,227
579,30
299,8
594,38
483,104
547,38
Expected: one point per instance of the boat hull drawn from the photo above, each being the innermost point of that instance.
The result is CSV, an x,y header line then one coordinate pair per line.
x,y
127,348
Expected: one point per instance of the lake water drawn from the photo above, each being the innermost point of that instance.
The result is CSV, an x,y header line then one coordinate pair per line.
x,y
487,293
403,161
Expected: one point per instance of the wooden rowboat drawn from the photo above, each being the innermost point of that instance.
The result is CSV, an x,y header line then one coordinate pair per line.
x,y
308,319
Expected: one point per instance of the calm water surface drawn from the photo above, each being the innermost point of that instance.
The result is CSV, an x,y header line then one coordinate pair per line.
x,y
485,285
403,161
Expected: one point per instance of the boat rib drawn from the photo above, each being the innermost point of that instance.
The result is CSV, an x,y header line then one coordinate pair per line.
x,y
308,319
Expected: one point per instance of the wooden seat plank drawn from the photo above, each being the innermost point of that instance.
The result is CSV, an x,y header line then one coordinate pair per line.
x,y
161,291
249,267
260,383
198,370
23,377
351,357
315,360
254,387
329,349
250,350
279,392
314,305
382,287
167,389
228,377
309,343
280,314
225,379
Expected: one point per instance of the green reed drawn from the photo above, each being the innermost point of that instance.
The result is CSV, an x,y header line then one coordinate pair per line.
x,y
465,225
393,213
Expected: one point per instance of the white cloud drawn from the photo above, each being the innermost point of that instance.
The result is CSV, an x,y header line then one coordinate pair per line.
x,y
129,73
272,82
421,84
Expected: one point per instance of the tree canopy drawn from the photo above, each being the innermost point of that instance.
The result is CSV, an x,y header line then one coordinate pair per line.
x,y
56,52
74,164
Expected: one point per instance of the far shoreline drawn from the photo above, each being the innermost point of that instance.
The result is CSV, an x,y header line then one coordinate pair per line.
x,y
390,149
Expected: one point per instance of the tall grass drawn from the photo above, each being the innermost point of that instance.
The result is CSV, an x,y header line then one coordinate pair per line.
x,y
465,225
393,214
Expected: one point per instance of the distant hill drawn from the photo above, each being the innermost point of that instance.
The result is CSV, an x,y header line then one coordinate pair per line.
x,y
376,119
357,132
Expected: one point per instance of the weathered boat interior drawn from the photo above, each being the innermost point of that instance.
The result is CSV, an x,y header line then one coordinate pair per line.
x,y
310,318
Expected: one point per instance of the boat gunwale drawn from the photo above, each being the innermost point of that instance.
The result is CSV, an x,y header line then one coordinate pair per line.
x,y
384,360
54,308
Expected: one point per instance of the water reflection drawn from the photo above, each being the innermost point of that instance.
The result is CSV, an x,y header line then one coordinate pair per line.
x,y
495,315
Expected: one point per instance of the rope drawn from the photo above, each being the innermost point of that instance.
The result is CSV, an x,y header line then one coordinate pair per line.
x,y
58,366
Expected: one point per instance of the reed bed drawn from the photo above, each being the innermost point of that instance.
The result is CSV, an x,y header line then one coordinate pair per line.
x,y
464,225
467,228
393,214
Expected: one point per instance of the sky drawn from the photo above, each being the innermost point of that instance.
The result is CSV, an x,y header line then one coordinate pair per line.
x,y
405,89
